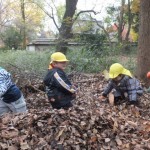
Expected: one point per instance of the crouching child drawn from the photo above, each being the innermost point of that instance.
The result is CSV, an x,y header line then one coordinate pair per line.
x,y
122,85
11,98
59,89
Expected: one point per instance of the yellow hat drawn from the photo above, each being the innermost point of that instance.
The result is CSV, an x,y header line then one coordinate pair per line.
x,y
59,57
117,69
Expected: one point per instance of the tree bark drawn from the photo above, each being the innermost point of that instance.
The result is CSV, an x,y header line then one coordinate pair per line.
x,y
24,21
144,42
121,21
129,21
65,31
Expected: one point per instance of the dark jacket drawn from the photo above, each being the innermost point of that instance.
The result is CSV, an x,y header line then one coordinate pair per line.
x,y
9,92
58,87
128,85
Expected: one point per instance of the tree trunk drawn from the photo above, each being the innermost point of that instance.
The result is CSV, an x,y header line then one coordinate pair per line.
x,y
24,21
66,26
121,21
144,42
129,21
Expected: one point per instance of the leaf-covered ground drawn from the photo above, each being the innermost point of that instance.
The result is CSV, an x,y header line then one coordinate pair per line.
x,y
89,125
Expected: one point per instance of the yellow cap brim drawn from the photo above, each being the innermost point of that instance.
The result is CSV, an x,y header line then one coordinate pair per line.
x,y
125,72
65,60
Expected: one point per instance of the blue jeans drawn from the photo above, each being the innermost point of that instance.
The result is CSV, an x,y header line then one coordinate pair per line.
x,y
18,106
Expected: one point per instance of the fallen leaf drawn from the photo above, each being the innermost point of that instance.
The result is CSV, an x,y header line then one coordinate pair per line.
x,y
24,145
134,124
12,148
118,141
9,133
93,139
60,133
107,140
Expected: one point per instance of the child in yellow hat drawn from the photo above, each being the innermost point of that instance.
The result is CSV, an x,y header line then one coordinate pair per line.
x,y
123,85
59,89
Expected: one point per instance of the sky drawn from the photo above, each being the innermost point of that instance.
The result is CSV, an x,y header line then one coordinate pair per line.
x,y
97,5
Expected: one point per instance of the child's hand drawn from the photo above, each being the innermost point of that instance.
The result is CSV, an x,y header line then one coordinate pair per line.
x,y
74,89
52,99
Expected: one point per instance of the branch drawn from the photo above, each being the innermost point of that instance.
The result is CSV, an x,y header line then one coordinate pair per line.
x,y
49,15
84,11
123,25
116,26
103,28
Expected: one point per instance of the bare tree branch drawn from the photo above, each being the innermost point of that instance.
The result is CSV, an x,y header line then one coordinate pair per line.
x,y
47,13
105,31
85,11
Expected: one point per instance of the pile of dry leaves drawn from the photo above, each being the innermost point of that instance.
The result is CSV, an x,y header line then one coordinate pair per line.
x,y
89,125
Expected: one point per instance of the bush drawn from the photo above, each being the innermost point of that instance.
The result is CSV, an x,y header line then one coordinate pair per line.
x,y
11,38
33,62
80,61
94,43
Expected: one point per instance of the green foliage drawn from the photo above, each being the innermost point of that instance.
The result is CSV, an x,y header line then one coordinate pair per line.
x,y
135,24
80,61
30,62
112,14
60,13
94,43
84,24
11,38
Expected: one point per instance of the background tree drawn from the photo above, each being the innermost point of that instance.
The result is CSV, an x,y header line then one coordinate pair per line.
x,y
25,16
129,15
144,40
65,30
67,20
22,6
121,22
122,18
5,14
135,10
11,38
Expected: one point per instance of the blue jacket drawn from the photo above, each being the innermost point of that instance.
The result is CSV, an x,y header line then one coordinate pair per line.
x,y
58,87
128,85
9,92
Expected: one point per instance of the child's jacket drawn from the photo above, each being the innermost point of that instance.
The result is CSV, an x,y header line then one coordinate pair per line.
x,y
58,87
128,85
9,92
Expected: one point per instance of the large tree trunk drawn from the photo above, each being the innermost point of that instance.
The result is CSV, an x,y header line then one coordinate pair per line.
x,y
144,41
65,31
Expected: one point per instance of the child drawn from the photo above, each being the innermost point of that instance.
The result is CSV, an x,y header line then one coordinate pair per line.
x,y
59,90
123,84
11,98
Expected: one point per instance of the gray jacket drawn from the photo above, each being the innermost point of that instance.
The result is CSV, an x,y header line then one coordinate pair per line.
x,y
128,85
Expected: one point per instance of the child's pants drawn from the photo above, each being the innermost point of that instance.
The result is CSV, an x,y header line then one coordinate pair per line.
x,y
18,106
118,94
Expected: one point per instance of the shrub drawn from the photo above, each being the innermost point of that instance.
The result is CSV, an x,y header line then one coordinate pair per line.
x,y
11,38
